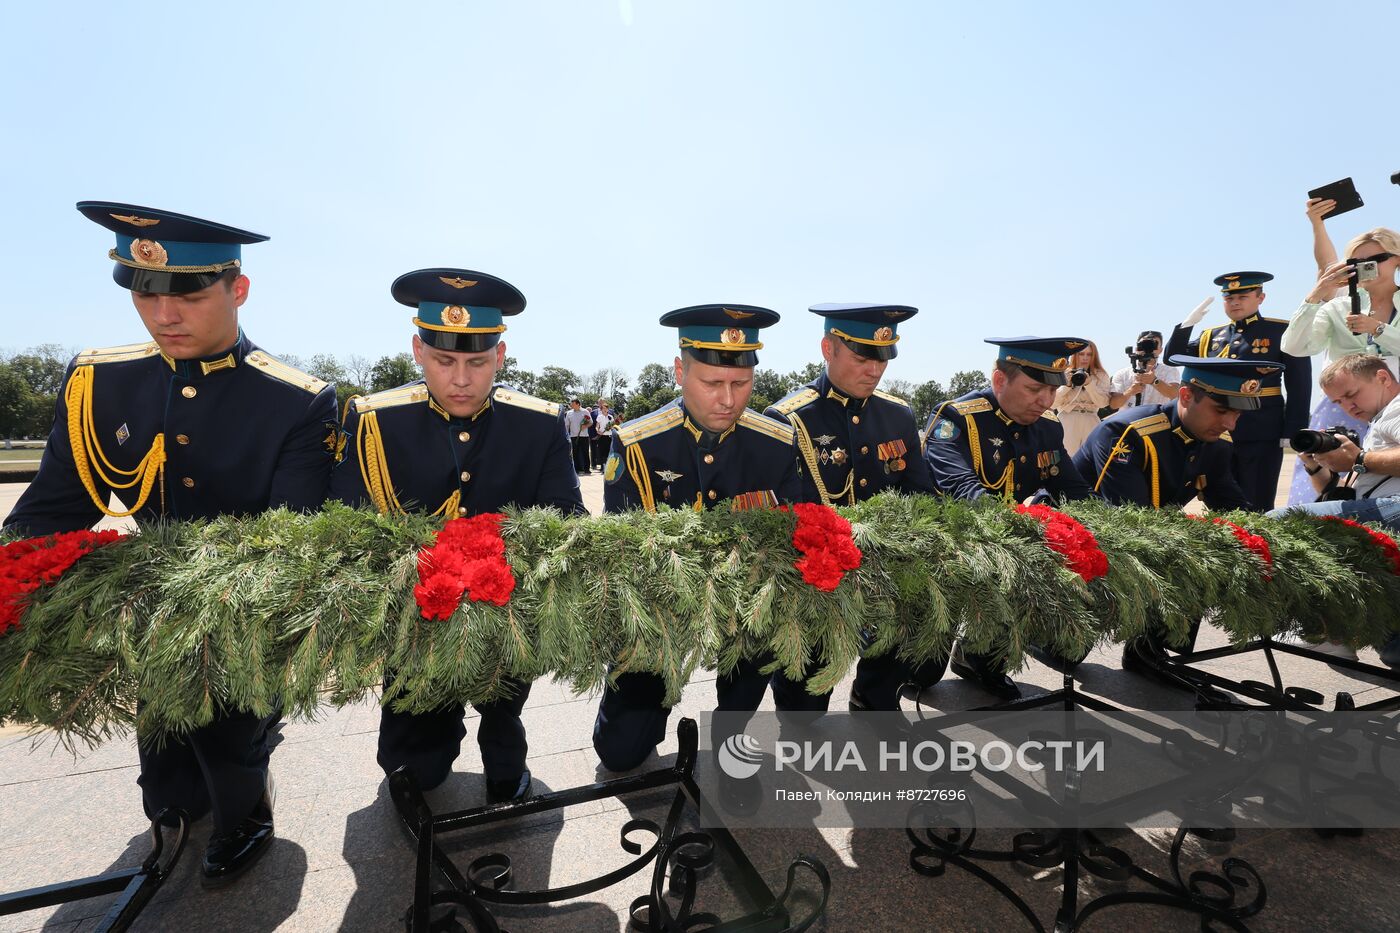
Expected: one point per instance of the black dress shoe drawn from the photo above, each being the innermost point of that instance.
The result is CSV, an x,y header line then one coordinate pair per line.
x,y
1140,657
975,669
509,789
231,854
857,703
1052,660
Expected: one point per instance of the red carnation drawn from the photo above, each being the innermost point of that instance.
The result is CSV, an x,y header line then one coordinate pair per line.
x,y
1382,540
1071,540
27,564
1250,541
823,537
467,557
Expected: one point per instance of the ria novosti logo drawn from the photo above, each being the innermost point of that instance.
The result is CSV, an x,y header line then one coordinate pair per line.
x,y
740,756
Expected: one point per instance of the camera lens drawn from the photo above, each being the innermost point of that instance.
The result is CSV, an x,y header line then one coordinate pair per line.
x,y
1313,442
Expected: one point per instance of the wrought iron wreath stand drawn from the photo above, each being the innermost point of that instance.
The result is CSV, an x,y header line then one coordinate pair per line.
x,y
448,899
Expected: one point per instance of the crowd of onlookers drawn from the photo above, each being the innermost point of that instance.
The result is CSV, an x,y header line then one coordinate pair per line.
x,y
590,431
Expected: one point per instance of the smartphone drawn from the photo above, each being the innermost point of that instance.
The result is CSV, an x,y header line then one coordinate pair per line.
x,y
1367,271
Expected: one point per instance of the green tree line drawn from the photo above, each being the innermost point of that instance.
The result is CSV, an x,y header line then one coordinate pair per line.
x,y
31,380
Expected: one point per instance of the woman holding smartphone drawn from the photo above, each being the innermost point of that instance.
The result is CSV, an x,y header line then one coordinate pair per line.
x,y
1324,322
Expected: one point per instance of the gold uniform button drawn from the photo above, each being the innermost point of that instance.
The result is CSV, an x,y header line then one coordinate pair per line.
x,y
711,495
865,450
464,437
466,476
864,482
855,419
462,511
182,438
1023,458
189,483
709,458
189,391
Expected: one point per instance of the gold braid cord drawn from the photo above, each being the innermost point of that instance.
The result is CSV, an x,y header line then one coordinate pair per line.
x,y
1005,484
1149,465
374,470
89,456
809,456
637,469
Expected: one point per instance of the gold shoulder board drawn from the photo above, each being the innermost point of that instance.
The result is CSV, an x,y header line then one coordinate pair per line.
x,y
795,401
521,400
392,398
1275,320
1225,436
1151,424
972,406
891,397
131,351
283,373
765,425
650,425
1049,415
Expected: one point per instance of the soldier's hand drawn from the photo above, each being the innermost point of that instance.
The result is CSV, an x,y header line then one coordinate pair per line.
x,y
1197,313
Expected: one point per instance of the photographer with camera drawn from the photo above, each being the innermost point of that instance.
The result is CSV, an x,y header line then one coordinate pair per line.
x,y
1260,435
1364,387
1143,381
1327,323
1085,393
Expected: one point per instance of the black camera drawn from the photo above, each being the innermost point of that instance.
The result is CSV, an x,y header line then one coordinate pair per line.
x,y
1140,357
1077,377
1321,442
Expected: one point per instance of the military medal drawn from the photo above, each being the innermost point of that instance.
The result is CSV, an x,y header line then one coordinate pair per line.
x,y
122,434
838,456
762,499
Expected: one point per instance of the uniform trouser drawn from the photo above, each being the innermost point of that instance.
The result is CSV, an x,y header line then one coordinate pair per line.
x,y
879,679
581,455
632,718
428,743
1257,465
601,444
220,767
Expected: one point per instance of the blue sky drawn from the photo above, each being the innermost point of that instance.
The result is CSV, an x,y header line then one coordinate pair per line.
x,y
1075,168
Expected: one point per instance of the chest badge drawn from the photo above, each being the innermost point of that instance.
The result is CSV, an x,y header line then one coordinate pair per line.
x,y
838,456
668,476
122,434
825,439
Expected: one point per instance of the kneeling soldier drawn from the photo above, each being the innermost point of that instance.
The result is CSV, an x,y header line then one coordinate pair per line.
x,y
1004,441
232,429
456,444
703,450
854,441
1166,455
